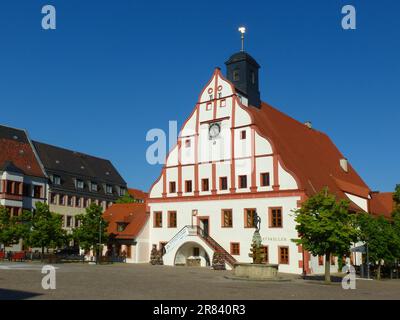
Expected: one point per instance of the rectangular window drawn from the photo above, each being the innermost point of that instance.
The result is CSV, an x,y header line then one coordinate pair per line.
x,y
93,187
196,251
275,217
109,189
17,188
56,180
78,202
188,186
76,223
222,103
61,200
172,187
283,255
53,198
208,106
320,260
235,248
157,219
332,260
242,182
122,191
9,187
242,134
85,202
79,184
37,191
249,215
227,220
204,185
265,254
187,143
70,201
69,221
171,219
264,179
223,183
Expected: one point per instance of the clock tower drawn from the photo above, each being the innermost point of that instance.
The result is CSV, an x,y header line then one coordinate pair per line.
x,y
242,71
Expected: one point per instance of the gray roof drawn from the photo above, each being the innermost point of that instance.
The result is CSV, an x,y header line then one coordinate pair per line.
x,y
71,165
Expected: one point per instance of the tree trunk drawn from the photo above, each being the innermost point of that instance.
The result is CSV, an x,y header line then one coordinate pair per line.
x,y
378,273
328,268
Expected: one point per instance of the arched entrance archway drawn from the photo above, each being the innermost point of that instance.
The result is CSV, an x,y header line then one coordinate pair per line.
x,y
193,254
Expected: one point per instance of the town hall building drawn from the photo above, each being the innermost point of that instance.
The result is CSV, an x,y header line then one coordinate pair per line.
x,y
237,156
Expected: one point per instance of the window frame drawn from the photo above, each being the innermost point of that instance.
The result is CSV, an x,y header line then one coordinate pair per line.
x,y
271,217
280,255
155,220
240,182
246,225
223,225
232,244
262,174
202,184
187,183
172,190
220,183
170,212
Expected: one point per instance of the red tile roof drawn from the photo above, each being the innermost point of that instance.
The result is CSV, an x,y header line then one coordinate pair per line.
x,y
382,204
21,154
134,214
308,154
138,194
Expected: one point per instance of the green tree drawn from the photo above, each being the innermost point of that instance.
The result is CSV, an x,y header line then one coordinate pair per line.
x,y
379,235
126,198
92,230
396,198
325,227
396,219
7,228
45,228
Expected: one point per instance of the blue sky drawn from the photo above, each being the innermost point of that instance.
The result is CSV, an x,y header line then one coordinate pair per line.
x,y
112,70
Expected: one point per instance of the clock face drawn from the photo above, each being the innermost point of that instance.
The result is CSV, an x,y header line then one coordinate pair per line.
x,y
214,130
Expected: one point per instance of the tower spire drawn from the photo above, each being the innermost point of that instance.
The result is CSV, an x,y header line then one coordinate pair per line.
x,y
242,30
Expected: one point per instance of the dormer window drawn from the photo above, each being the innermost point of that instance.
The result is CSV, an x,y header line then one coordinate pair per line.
x,y
121,226
56,180
109,189
122,191
93,187
79,184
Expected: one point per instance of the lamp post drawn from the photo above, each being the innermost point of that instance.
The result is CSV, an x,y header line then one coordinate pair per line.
x,y
99,253
304,267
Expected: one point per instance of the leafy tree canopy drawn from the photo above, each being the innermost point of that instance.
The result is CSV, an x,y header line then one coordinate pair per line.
x,y
126,198
91,226
45,228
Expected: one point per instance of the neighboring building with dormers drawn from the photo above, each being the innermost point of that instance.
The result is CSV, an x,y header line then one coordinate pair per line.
x,y
23,181
76,180
237,156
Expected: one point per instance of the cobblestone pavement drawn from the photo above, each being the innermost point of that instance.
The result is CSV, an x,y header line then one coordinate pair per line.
x,y
143,281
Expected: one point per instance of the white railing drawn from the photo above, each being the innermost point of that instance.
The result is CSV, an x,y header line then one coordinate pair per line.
x,y
183,233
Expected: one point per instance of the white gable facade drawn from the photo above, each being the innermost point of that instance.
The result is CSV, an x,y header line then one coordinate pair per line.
x,y
222,170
